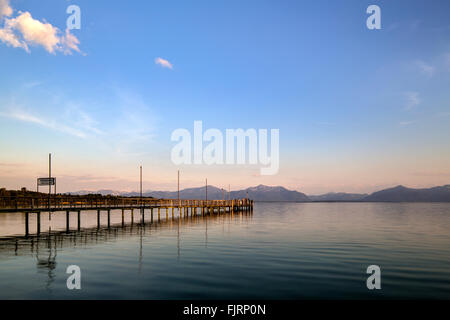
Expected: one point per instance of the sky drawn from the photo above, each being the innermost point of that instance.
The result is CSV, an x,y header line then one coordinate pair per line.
x,y
357,110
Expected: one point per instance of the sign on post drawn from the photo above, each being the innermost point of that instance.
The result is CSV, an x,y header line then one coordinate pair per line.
x,y
46,181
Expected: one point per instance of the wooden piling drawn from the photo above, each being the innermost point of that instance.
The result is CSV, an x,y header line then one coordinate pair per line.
x,y
27,220
38,222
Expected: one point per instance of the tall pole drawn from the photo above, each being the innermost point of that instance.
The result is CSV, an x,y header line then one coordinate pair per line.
x,y
140,169
49,184
178,203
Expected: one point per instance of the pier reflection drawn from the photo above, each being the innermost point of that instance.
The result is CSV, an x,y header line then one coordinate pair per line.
x,y
44,246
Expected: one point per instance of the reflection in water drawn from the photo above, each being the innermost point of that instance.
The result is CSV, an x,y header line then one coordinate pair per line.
x,y
47,264
44,246
140,248
282,251
178,238
94,235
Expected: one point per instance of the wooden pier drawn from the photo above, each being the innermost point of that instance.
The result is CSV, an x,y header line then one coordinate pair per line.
x,y
169,207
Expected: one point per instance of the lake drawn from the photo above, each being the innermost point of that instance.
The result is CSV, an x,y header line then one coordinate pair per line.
x,y
279,251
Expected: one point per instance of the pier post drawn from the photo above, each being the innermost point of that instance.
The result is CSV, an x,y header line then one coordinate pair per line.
x,y
151,213
67,221
79,220
173,215
109,218
98,219
38,223
123,217
132,216
27,219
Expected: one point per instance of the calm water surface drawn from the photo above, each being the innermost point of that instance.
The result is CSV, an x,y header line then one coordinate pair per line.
x,y
281,251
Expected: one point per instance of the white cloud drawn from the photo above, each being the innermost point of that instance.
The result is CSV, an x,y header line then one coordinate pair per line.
x,y
23,31
5,8
163,63
425,68
412,100
69,42
7,36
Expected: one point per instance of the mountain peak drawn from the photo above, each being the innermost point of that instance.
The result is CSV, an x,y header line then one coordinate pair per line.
x,y
262,187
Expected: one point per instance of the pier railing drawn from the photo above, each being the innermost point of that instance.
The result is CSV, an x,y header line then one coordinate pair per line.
x,y
62,202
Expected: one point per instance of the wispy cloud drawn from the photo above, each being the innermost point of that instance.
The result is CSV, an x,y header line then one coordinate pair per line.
x,y
447,60
31,84
406,123
25,116
70,119
24,31
442,114
432,173
126,125
425,68
412,99
163,63
137,125
81,119
13,165
325,123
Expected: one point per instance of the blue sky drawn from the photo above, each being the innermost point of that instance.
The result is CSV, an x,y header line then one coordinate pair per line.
x,y
357,109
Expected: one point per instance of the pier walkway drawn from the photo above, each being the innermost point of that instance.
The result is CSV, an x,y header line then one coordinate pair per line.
x,y
183,208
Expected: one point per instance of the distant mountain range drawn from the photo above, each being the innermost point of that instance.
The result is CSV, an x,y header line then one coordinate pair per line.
x,y
259,193
338,196
404,194
268,193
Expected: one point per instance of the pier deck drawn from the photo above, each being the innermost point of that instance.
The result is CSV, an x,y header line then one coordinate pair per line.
x,y
183,208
